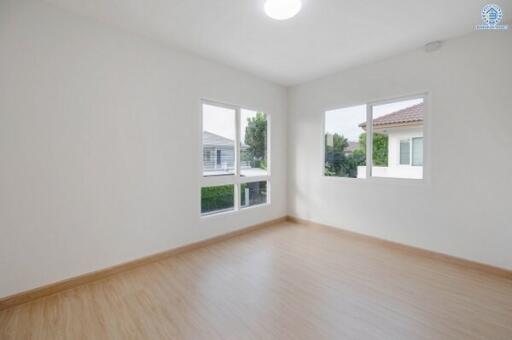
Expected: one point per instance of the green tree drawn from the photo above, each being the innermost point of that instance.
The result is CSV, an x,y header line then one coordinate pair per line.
x,y
256,140
336,163
339,162
380,148
217,198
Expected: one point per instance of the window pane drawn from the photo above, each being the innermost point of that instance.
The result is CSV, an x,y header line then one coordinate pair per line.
x,y
417,151
253,143
345,143
218,140
405,152
394,126
253,194
217,199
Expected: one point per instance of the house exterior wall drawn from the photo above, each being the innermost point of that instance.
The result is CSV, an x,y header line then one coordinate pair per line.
x,y
394,168
210,162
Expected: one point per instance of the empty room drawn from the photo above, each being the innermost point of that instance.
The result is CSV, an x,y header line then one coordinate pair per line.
x,y
255,169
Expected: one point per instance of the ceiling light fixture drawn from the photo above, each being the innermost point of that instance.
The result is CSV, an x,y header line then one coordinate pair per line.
x,y
282,9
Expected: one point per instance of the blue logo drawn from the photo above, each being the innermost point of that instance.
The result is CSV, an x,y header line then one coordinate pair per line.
x,y
492,16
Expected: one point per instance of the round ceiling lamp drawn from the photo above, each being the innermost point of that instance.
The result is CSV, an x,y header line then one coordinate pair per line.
x,y
282,9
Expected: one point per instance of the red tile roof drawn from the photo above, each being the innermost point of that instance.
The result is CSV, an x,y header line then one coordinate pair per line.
x,y
407,116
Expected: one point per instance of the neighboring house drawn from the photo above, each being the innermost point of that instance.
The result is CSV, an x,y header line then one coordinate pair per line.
x,y
218,154
404,129
352,146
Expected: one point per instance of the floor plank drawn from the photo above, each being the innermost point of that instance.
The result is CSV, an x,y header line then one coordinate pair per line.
x,y
287,281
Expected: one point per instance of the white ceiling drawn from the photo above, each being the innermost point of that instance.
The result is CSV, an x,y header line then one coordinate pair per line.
x,y
326,36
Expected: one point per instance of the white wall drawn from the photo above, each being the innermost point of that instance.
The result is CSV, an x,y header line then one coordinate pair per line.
x,y
464,207
99,145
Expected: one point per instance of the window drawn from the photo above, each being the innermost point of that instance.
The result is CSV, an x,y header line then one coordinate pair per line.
x,y
344,142
207,156
253,143
219,157
397,127
405,152
377,140
417,151
253,194
235,167
218,136
217,199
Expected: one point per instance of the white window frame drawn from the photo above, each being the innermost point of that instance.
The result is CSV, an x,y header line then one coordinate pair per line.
x,y
410,140
369,140
236,179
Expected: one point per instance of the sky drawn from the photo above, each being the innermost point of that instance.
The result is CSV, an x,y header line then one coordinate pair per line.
x,y
346,121
221,121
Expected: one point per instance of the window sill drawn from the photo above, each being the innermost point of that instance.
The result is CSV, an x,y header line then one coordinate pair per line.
x,y
233,211
378,180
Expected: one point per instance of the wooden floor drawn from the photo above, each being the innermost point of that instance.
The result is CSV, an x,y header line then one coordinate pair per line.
x,y
288,281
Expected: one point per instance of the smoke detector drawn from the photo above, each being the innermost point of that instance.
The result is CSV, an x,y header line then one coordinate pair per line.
x,y
433,46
